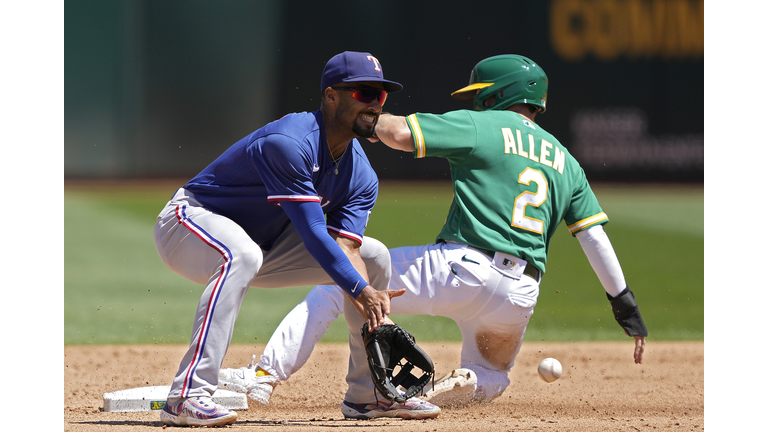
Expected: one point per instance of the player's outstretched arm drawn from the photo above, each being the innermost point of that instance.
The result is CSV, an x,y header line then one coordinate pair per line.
x,y
394,132
596,245
339,257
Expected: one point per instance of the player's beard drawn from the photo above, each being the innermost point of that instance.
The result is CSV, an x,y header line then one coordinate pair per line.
x,y
362,131
365,131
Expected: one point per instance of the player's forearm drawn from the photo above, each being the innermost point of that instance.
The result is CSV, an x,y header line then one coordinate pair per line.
x,y
352,252
604,262
356,303
395,133
596,245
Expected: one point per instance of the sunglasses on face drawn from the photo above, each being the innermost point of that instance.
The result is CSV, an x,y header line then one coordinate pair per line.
x,y
366,95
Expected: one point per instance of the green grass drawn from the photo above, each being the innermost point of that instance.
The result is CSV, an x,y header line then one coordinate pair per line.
x,y
118,291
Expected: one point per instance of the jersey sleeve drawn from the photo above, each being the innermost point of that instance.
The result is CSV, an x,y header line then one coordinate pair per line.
x,y
351,219
584,211
285,168
446,135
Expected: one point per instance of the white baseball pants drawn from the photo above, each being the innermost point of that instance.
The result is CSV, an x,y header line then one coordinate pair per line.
x,y
491,305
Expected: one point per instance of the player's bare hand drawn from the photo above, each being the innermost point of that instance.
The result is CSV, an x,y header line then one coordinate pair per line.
x,y
376,305
395,293
639,348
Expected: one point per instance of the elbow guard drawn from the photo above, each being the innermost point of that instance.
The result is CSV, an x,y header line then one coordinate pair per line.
x,y
627,313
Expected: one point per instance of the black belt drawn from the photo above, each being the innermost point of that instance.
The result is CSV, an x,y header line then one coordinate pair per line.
x,y
529,269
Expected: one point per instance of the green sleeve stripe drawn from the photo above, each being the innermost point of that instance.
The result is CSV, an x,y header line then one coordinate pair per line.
x,y
418,135
588,222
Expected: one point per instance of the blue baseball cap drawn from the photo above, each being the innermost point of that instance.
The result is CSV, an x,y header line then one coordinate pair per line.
x,y
353,66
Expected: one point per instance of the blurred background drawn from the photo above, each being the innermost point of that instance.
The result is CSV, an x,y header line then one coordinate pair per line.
x,y
158,89
155,90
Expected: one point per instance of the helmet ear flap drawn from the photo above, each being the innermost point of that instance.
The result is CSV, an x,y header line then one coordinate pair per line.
x,y
491,100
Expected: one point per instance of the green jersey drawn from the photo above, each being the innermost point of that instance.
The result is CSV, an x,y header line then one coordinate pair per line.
x,y
513,182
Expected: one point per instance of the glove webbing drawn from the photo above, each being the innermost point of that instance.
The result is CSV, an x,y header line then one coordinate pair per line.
x,y
404,378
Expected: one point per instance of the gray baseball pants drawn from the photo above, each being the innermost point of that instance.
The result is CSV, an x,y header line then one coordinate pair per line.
x,y
212,250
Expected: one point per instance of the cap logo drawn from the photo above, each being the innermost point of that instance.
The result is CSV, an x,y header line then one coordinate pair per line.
x,y
354,67
376,64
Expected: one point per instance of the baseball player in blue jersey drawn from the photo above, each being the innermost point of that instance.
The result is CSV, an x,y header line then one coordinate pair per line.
x,y
513,184
285,206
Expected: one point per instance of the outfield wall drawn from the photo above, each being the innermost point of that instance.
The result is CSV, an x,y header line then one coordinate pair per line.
x,y
160,88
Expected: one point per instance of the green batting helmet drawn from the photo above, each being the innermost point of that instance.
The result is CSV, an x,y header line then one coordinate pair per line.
x,y
511,78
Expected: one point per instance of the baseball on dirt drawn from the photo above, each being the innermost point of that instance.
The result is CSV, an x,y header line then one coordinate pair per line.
x,y
550,370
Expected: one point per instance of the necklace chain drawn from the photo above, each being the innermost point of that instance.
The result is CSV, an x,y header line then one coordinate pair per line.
x,y
335,160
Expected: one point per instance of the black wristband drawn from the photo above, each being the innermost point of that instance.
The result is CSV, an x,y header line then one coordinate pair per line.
x,y
627,313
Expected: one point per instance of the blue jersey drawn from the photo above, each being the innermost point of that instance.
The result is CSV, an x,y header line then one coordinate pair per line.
x,y
288,160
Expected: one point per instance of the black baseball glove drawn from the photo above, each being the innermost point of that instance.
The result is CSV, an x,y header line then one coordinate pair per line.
x,y
386,347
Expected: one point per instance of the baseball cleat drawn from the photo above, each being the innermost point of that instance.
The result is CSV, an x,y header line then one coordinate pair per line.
x,y
412,409
244,380
456,388
197,411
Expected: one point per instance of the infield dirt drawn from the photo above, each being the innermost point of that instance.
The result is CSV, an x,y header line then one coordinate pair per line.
x,y
601,390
